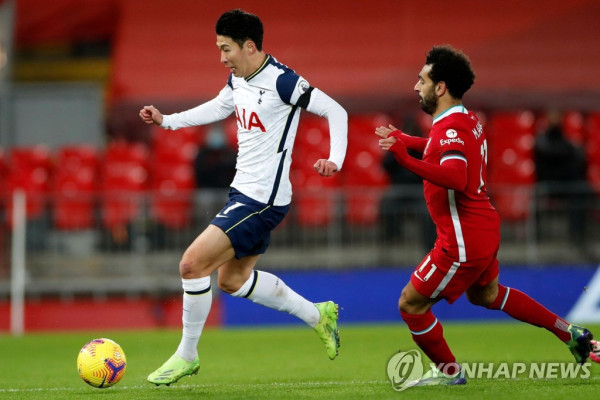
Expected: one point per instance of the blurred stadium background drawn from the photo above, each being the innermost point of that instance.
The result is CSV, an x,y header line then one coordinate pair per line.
x,y
112,203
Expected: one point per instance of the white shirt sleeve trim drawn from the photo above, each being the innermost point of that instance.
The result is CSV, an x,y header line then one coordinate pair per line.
x,y
452,157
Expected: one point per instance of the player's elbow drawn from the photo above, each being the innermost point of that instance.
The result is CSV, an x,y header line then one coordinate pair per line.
x,y
337,113
457,177
458,183
343,113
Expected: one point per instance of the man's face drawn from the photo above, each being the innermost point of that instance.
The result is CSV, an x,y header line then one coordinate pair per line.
x,y
233,56
426,91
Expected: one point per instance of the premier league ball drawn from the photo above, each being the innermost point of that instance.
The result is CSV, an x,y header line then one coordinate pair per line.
x,y
101,363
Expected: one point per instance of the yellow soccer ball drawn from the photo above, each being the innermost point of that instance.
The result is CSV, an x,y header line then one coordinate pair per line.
x,y
101,363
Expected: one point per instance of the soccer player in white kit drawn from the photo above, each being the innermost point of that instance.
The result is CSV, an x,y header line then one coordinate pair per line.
x,y
266,97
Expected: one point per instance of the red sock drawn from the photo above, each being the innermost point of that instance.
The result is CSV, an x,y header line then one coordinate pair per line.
x,y
522,307
428,334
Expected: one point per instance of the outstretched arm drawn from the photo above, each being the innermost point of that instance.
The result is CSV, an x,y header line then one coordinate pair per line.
x,y
324,106
214,110
451,173
411,142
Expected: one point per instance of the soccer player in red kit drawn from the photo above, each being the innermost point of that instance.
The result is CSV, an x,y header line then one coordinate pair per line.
x,y
463,259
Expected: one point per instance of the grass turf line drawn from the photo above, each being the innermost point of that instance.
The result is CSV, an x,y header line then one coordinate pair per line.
x,y
286,362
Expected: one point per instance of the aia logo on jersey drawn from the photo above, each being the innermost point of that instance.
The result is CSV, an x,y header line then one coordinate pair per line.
x,y
248,120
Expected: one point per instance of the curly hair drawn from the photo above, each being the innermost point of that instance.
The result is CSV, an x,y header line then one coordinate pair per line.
x,y
240,26
452,67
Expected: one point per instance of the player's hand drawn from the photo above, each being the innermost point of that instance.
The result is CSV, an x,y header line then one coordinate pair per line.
x,y
151,115
396,146
384,132
325,167
387,143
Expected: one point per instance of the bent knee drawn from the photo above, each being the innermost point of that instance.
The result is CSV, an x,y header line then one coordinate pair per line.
x,y
190,268
484,298
411,305
228,285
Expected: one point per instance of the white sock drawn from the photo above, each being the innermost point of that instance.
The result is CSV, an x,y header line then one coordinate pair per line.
x,y
270,291
197,299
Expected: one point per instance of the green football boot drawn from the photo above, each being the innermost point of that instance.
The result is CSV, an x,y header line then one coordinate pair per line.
x,y
580,343
174,369
327,328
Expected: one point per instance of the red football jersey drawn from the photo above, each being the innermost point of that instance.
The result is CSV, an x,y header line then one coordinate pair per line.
x,y
468,226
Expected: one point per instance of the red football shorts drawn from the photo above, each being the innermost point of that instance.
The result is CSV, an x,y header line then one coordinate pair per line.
x,y
443,277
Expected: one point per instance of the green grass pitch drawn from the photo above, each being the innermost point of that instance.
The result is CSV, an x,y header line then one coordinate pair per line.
x,y
287,362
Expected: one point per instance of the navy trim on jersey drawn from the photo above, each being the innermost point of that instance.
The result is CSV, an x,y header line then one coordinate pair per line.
x,y
279,65
229,81
278,177
286,130
286,83
264,64
304,99
255,276
281,149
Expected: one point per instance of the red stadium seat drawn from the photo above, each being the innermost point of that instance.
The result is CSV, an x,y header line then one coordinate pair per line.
x,y
592,148
177,146
312,137
3,184
3,174
172,190
364,176
573,125
76,186
363,164
30,170
172,171
230,128
125,178
511,168
313,201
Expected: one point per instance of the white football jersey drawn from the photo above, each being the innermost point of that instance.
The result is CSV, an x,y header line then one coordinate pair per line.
x,y
267,108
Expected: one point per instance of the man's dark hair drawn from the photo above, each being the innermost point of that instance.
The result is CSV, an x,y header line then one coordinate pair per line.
x,y
240,26
452,67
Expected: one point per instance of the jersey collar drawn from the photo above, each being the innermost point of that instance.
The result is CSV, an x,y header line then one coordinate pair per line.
x,y
264,64
452,110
